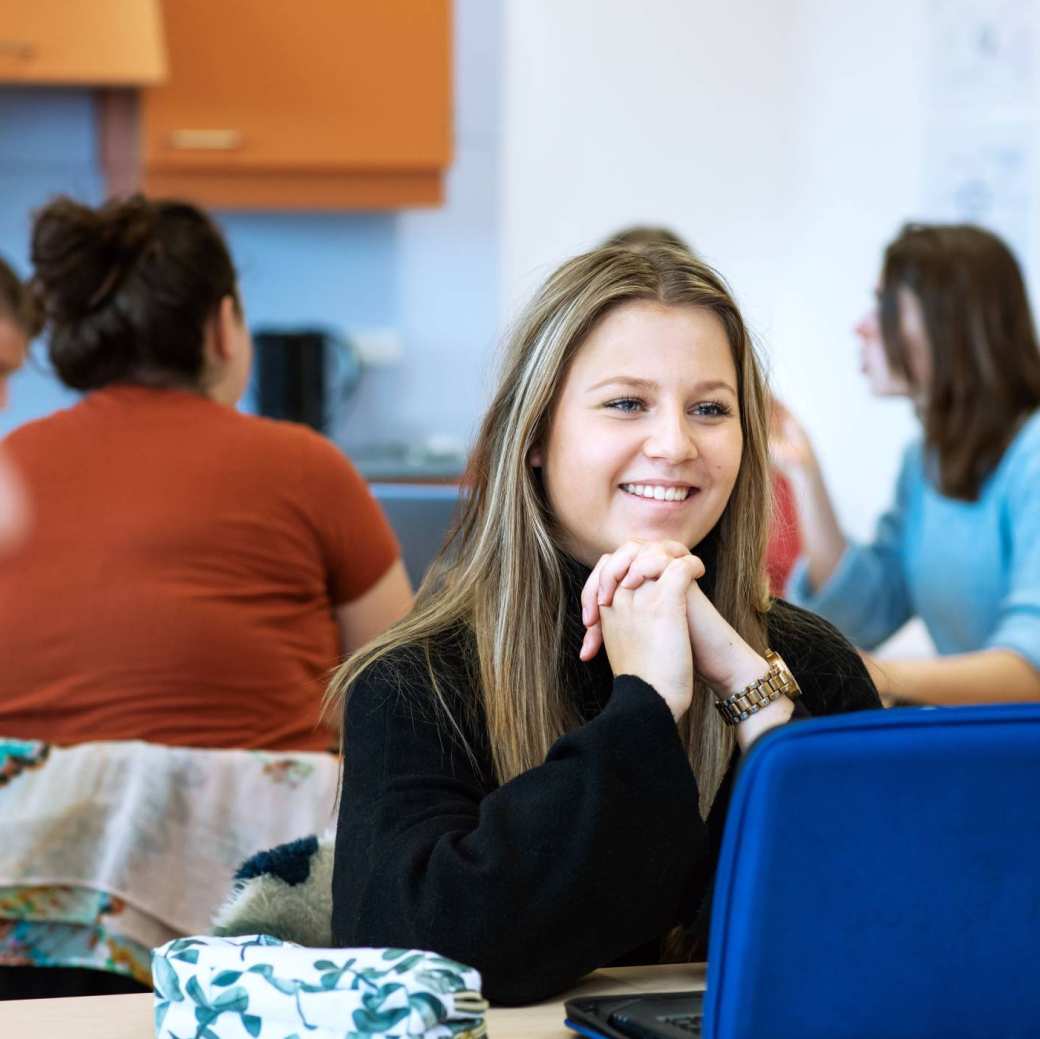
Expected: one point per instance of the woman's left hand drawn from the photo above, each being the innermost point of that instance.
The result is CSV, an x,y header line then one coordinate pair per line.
x,y
720,656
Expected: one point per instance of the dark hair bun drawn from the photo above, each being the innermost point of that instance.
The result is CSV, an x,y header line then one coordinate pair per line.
x,y
126,289
81,255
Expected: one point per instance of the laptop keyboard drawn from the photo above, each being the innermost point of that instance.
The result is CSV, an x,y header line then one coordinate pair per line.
x,y
687,1022
657,1026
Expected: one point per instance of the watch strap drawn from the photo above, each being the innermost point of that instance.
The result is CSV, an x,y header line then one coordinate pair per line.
x,y
777,682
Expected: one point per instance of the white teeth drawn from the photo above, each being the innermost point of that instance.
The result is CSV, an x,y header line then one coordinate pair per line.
x,y
657,493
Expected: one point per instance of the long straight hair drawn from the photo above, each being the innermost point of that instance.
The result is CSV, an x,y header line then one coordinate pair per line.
x,y
502,573
985,360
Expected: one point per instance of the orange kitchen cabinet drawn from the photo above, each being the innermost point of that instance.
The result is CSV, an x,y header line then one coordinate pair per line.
x,y
94,42
308,104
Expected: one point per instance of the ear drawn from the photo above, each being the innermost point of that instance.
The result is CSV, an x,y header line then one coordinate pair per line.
x,y
222,342
534,458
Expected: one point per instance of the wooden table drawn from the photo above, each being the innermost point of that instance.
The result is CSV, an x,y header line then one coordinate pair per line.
x,y
130,1017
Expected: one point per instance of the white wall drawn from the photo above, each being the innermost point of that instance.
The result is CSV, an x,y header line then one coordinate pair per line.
x,y
783,138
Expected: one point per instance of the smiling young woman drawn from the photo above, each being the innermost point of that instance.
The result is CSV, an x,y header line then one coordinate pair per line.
x,y
535,772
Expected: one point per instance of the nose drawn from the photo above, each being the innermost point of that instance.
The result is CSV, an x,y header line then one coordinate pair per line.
x,y
867,326
672,439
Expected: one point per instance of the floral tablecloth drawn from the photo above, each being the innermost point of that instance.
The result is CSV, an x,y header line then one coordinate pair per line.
x,y
108,849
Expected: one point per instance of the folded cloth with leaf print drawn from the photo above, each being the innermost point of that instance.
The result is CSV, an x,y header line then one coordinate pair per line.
x,y
258,987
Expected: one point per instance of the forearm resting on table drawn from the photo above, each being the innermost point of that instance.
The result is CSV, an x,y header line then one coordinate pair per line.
x,y
988,676
823,542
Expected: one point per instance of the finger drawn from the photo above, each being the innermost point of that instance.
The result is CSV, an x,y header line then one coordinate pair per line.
x,y
589,605
614,569
680,574
651,563
647,566
592,642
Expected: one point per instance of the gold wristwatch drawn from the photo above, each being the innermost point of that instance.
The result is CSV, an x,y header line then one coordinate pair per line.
x,y
762,692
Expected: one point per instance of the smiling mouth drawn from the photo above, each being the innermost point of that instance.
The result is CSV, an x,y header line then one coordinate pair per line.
x,y
655,492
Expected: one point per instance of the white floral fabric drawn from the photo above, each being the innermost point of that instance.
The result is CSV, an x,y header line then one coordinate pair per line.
x,y
108,849
257,987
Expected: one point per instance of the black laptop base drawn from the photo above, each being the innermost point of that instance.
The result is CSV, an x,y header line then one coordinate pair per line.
x,y
658,1015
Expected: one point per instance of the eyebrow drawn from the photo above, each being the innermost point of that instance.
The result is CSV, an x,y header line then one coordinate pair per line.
x,y
648,384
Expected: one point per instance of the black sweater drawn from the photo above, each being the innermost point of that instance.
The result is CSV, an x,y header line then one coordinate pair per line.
x,y
586,860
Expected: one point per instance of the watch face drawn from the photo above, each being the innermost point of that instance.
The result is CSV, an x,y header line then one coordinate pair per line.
x,y
788,682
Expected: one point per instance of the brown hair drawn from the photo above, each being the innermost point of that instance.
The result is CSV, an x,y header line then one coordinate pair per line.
x,y
16,301
985,360
641,237
126,289
503,577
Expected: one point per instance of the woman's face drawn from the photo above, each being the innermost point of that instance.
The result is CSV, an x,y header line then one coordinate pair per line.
x,y
874,364
645,440
13,346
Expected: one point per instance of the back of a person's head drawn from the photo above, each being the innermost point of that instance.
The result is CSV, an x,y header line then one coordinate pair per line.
x,y
126,289
641,237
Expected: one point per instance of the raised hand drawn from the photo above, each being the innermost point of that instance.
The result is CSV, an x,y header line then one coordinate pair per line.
x,y
790,448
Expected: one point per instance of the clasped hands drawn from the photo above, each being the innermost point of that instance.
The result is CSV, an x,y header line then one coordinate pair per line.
x,y
643,603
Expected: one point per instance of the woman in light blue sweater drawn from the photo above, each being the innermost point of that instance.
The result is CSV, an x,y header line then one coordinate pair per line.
x,y
960,546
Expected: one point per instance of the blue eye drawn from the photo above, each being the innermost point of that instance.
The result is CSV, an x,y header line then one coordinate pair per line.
x,y
626,405
713,409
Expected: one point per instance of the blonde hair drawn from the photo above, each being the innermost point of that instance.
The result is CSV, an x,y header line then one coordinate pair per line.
x,y
502,573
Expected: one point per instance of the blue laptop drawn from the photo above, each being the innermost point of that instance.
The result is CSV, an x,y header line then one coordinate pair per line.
x,y
879,878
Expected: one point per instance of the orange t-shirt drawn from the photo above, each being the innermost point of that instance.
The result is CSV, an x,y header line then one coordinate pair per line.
x,y
180,575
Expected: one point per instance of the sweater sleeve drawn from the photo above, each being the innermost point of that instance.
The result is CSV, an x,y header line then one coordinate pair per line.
x,y
536,882
1018,623
866,596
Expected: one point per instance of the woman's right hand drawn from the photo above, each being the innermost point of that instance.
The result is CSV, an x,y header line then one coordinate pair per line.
x,y
646,633
790,448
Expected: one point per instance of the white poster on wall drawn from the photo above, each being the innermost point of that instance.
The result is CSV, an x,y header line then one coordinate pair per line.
x,y
982,54
980,155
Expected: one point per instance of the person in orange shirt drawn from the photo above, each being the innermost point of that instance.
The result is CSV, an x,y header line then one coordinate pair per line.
x,y
192,573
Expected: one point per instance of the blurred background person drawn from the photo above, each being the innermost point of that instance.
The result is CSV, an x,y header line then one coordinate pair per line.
x,y
192,572
784,542
960,546
17,326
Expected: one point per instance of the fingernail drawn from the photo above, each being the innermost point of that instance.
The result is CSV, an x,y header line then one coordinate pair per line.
x,y
585,616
